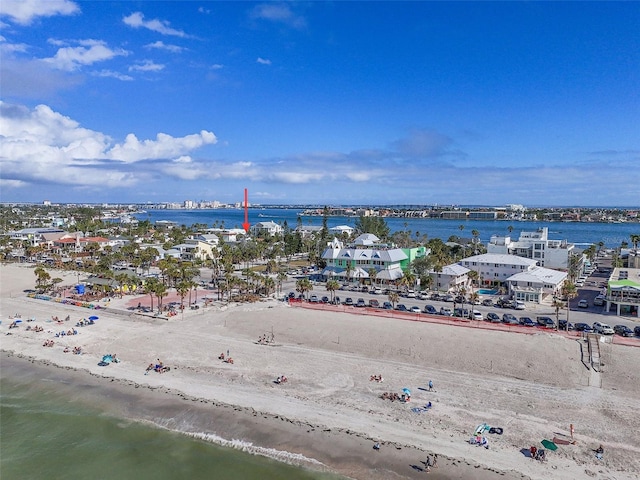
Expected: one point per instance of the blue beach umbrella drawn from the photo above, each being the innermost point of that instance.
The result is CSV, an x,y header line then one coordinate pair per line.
x,y
406,391
93,317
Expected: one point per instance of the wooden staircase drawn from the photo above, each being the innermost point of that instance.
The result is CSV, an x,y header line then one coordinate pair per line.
x,y
593,343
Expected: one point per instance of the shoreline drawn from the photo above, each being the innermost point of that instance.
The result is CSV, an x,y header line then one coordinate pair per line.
x,y
243,428
330,411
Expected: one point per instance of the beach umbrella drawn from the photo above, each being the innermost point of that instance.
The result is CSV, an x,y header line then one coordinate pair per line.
x,y
406,391
93,317
549,445
18,321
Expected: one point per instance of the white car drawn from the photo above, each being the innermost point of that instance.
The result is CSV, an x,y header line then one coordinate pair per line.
x,y
476,315
415,309
583,304
518,305
602,328
411,294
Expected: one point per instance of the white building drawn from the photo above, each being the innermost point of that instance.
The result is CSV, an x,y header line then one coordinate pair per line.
x,y
450,278
340,229
495,268
524,278
536,284
270,228
536,246
357,261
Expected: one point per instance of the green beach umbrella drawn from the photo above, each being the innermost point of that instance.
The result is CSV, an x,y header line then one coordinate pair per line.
x,y
549,445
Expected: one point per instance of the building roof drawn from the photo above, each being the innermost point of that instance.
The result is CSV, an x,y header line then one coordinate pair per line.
x,y
539,274
366,239
500,258
454,270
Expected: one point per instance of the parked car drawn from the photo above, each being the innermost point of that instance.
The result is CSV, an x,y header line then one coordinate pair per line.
x,y
411,294
387,306
435,296
487,302
448,298
461,313
546,322
583,304
602,328
292,295
373,303
348,301
518,305
527,322
423,295
510,319
503,303
377,291
476,315
336,300
599,301
493,317
401,307
583,327
360,303
324,299
460,299
636,330
430,309
415,309
314,299
446,311
562,325
623,331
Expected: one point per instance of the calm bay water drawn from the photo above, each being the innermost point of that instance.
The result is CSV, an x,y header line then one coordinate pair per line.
x,y
612,234
47,432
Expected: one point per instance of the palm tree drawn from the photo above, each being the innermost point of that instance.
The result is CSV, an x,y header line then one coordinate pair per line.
x,y
161,292
557,305
150,287
393,298
372,275
635,240
476,236
303,286
569,291
331,286
183,288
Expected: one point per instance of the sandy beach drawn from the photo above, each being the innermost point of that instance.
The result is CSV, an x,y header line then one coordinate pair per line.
x,y
329,413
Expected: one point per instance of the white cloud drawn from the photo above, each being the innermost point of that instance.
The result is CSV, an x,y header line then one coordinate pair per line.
x,y
24,12
146,66
136,20
42,146
263,61
204,10
216,66
112,74
87,53
278,12
160,45
11,48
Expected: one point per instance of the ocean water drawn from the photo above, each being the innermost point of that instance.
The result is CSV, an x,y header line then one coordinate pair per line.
x,y
49,432
612,234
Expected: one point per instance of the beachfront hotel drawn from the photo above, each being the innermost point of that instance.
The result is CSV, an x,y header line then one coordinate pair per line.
x,y
358,260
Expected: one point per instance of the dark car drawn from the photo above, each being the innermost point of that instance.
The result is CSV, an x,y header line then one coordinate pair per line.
x,y
292,295
387,306
487,302
324,299
430,309
336,301
562,325
401,307
348,301
504,303
360,303
493,317
546,322
373,303
636,330
510,319
435,296
461,312
623,330
527,322
583,327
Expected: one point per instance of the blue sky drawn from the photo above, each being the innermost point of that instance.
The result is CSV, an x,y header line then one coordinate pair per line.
x,y
535,103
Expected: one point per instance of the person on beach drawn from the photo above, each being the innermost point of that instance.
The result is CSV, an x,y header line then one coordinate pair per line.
x,y
431,385
434,464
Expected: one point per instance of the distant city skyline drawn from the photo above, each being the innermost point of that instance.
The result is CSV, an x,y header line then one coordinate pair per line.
x,y
336,103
